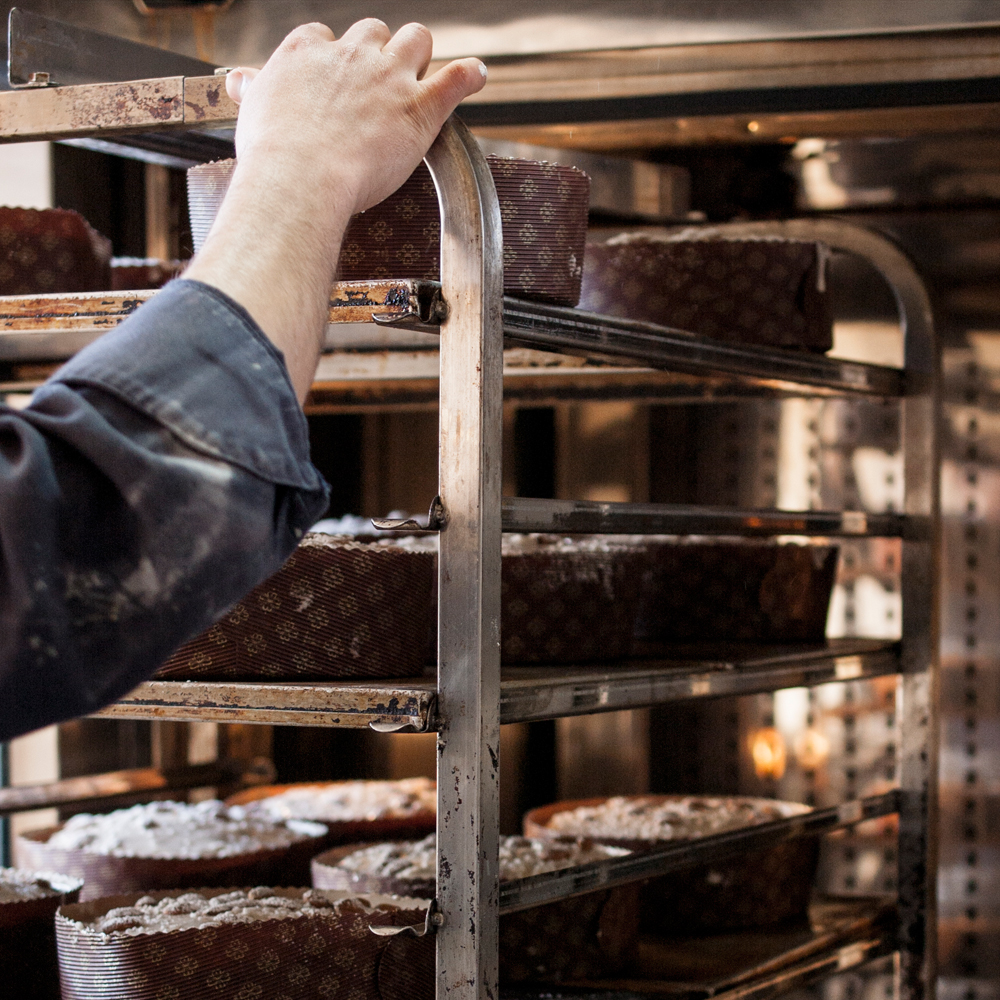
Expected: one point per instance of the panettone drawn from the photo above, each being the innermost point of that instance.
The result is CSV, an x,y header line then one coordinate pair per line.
x,y
271,944
756,889
578,938
167,845
543,207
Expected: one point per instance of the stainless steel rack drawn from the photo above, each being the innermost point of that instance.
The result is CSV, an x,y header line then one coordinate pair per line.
x,y
527,694
470,697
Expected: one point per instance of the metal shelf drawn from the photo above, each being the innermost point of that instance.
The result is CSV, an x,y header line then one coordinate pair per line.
x,y
532,324
533,693
748,965
526,693
590,517
388,705
550,886
53,327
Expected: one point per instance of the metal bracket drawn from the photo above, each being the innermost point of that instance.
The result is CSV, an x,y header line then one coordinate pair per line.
x,y
437,520
433,312
432,921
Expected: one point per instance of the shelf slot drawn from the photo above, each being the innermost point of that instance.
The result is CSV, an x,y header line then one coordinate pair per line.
x,y
524,893
522,514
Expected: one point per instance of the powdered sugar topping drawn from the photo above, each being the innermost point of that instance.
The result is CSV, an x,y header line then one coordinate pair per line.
x,y
176,830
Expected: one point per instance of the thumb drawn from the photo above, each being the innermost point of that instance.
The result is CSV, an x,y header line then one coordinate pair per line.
x,y
238,80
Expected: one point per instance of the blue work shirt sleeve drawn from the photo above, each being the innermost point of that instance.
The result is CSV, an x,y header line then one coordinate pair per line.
x,y
153,480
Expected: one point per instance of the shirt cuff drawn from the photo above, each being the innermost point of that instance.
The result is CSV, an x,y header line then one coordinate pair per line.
x,y
195,361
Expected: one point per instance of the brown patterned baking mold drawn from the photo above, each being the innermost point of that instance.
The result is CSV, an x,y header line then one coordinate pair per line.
x,y
565,602
28,943
337,609
564,605
757,889
104,875
543,207
44,251
735,591
580,938
411,827
769,292
325,955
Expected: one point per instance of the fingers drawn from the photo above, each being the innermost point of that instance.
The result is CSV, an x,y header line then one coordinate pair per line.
x,y
370,31
451,84
237,81
413,46
314,32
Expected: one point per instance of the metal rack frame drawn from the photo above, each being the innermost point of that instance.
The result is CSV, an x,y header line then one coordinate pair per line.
x,y
467,704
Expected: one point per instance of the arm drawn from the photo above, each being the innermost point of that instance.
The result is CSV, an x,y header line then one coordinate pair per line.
x,y
164,471
363,117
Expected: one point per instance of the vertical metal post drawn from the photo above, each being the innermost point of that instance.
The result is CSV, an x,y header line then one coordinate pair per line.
x,y
919,727
4,821
469,568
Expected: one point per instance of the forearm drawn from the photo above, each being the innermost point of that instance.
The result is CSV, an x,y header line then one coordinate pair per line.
x,y
275,251
159,476
328,128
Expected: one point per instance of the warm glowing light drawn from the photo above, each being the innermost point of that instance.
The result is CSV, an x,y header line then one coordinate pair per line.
x,y
753,126
767,748
812,749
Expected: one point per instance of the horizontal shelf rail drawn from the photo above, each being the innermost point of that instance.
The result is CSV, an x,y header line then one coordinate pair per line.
x,y
522,514
533,324
115,785
390,706
53,327
844,934
530,694
548,887
527,693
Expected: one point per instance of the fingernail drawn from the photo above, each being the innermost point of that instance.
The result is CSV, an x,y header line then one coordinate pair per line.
x,y
244,85
483,70
239,80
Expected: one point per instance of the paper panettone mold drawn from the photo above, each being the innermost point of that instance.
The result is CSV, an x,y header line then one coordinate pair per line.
x,y
338,608
568,600
543,207
351,810
28,904
563,600
741,590
765,291
584,937
103,853
756,889
44,251
272,944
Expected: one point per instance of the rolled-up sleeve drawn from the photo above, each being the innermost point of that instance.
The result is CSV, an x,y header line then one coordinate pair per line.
x,y
153,480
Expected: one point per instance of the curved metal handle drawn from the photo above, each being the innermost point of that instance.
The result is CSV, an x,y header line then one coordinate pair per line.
x,y
469,566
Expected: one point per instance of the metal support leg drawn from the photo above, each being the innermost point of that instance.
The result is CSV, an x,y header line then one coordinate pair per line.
x,y
918,752
469,568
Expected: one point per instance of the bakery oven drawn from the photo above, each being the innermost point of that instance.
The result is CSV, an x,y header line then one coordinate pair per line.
x,y
799,204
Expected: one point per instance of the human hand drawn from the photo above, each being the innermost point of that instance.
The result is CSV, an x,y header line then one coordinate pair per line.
x,y
348,117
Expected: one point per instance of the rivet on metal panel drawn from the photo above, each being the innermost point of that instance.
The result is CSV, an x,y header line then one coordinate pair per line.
x,y
848,668
854,522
